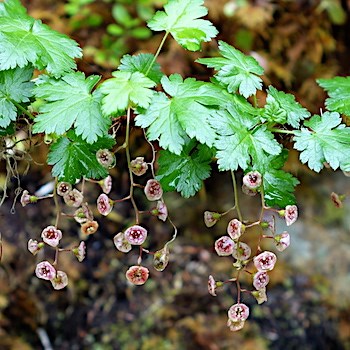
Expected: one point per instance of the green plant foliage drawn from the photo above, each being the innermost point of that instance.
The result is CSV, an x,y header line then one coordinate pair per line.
x,y
235,70
186,113
14,87
141,63
124,89
73,158
282,108
180,18
242,140
186,171
69,102
338,89
24,40
324,139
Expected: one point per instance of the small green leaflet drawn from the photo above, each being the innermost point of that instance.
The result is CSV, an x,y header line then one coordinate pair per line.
x,y
185,172
279,186
126,88
186,113
325,139
236,70
338,89
69,102
73,158
140,63
24,40
282,108
15,86
241,140
180,18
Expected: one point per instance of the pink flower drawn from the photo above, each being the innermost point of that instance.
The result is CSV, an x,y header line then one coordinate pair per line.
x,y
265,261
137,275
106,184
60,280
121,243
45,270
260,295
235,229
106,158
260,280
282,241
238,312
235,325
161,211
337,199
104,204
212,286
290,214
252,180
136,235
211,218
241,251
63,188
153,190
80,251
269,223
224,246
73,198
34,247
51,236
138,166
161,259
26,198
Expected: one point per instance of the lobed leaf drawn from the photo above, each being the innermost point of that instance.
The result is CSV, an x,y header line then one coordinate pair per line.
x,y
181,18
15,86
236,71
24,40
69,102
73,158
126,88
186,171
325,139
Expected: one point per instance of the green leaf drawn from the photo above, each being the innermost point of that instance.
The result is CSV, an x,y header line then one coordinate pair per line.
x,y
126,88
325,139
338,89
15,86
185,172
279,186
235,70
73,158
69,102
282,108
140,63
186,113
24,40
241,140
180,18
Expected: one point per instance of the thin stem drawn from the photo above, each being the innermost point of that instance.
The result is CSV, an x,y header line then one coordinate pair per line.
x,y
255,101
262,202
20,107
57,205
157,53
238,288
236,195
281,131
128,159
174,235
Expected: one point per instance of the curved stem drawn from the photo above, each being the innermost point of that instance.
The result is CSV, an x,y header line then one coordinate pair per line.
x,y
157,53
128,159
236,195
22,109
280,131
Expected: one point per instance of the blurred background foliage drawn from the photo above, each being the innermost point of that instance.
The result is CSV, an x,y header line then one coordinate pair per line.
x,y
308,297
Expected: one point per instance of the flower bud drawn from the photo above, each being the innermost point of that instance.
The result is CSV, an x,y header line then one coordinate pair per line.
x,y
282,241
212,286
161,259
34,247
26,198
106,184
104,204
260,295
290,214
80,251
337,199
161,211
235,325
